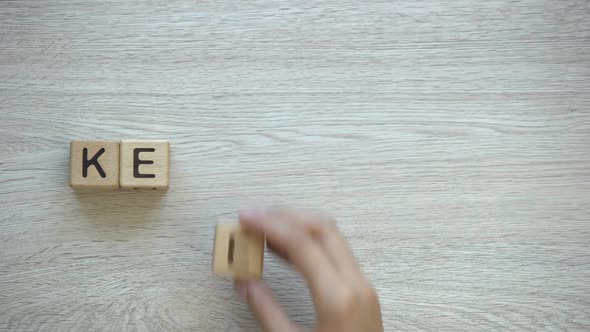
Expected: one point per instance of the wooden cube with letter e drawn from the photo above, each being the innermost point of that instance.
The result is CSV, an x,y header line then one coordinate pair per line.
x,y
145,164
94,164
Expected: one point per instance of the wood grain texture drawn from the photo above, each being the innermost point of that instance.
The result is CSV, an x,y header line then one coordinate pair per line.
x,y
451,140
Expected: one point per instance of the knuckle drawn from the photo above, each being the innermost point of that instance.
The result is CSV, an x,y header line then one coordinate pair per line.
x,y
296,246
346,303
299,238
280,212
369,294
324,227
330,225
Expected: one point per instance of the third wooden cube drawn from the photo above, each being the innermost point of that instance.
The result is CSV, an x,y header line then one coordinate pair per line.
x,y
237,254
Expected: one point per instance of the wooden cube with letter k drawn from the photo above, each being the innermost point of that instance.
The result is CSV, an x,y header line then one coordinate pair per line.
x,y
144,164
94,164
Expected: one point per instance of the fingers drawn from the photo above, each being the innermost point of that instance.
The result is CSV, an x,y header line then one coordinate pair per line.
x,y
267,310
299,248
323,231
342,256
327,233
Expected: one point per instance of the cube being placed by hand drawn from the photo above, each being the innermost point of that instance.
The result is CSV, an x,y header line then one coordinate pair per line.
x,y
237,254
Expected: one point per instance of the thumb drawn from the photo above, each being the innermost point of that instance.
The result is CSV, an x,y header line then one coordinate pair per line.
x,y
267,310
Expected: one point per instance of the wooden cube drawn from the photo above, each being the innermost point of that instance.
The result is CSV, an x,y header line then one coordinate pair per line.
x,y
144,164
237,254
94,164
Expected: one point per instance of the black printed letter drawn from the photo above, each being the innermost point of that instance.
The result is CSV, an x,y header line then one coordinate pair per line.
x,y
94,161
137,162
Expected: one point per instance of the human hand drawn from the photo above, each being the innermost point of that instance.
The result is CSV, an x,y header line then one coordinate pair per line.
x,y
344,299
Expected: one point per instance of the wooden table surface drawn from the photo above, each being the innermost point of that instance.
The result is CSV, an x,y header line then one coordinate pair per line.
x,y
451,140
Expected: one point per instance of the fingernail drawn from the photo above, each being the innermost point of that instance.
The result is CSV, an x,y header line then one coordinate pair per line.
x,y
252,214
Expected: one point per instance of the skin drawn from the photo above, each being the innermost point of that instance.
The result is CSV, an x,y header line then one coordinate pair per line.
x,y
344,299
